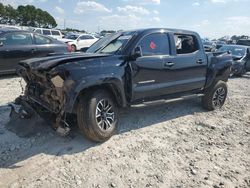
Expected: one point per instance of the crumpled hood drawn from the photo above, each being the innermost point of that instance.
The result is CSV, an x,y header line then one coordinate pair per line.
x,y
47,63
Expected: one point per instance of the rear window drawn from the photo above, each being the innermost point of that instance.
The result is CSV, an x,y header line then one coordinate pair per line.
x,y
185,44
16,39
46,32
55,33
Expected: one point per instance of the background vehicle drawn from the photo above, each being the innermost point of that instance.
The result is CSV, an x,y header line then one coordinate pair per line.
x,y
79,41
219,44
56,34
241,58
120,70
209,46
245,42
17,45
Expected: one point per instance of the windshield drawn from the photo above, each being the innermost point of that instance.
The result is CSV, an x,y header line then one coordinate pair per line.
x,y
111,44
234,50
73,37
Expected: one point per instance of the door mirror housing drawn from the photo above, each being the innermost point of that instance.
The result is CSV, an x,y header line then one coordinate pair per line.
x,y
1,44
137,52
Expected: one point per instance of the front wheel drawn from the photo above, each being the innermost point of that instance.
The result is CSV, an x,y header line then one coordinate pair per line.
x,y
215,96
97,116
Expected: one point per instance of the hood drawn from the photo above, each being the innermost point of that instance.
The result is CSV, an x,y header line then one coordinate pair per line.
x,y
42,64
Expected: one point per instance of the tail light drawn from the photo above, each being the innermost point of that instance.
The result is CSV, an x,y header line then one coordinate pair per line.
x,y
69,48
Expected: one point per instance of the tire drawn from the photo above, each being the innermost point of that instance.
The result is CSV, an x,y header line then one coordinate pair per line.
x,y
242,72
73,48
215,96
97,116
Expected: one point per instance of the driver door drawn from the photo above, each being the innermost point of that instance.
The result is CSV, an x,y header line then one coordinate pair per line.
x,y
148,72
16,46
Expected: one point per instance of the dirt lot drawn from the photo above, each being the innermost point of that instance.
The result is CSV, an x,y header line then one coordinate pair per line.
x,y
167,145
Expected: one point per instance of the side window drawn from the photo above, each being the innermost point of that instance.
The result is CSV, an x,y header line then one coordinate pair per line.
x,y
46,32
89,37
155,44
38,31
185,44
40,40
16,39
85,37
55,33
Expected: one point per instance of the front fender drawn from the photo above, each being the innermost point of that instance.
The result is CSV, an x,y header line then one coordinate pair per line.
x,y
112,80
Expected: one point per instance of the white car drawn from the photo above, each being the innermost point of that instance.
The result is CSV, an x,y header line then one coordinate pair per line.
x,y
56,34
79,41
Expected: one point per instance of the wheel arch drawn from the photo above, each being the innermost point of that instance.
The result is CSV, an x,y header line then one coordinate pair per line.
x,y
112,88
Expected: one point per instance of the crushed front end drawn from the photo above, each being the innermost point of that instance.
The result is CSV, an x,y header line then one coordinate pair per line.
x,y
44,94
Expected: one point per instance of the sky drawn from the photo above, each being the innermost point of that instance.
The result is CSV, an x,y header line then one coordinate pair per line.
x,y
210,18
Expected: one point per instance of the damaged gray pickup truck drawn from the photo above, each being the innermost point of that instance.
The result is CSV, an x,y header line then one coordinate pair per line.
x,y
123,69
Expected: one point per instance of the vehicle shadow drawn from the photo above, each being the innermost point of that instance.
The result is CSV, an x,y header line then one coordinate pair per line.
x,y
48,142
7,76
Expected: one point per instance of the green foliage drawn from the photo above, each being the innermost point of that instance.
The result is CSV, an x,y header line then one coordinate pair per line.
x,y
74,30
26,16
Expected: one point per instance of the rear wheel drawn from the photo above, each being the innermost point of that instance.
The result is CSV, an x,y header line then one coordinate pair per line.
x,y
97,116
73,48
215,96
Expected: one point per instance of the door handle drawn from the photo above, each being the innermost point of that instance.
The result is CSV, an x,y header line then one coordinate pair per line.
x,y
199,61
168,64
33,50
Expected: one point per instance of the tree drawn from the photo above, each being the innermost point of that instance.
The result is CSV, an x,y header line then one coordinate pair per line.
x,y
27,15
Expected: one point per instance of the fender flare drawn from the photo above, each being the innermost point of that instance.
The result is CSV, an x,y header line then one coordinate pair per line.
x,y
115,86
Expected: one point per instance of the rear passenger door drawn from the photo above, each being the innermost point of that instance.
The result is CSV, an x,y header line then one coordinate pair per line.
x,y
44,45
148,74
186,67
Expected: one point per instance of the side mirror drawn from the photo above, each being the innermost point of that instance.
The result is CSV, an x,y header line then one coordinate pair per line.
x,y
137,52
78,39
1,44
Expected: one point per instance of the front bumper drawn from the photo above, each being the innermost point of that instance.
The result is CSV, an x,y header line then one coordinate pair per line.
x,y
24,110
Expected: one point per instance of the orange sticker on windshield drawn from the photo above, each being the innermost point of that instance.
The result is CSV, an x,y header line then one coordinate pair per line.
x,y
152,45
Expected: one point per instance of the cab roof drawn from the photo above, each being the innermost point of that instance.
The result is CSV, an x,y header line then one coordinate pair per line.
x,y
179,31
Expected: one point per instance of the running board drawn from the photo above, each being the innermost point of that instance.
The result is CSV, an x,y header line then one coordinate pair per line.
x,y
161,101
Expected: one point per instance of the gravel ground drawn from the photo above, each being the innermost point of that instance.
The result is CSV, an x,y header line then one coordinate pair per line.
x,y
168,145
